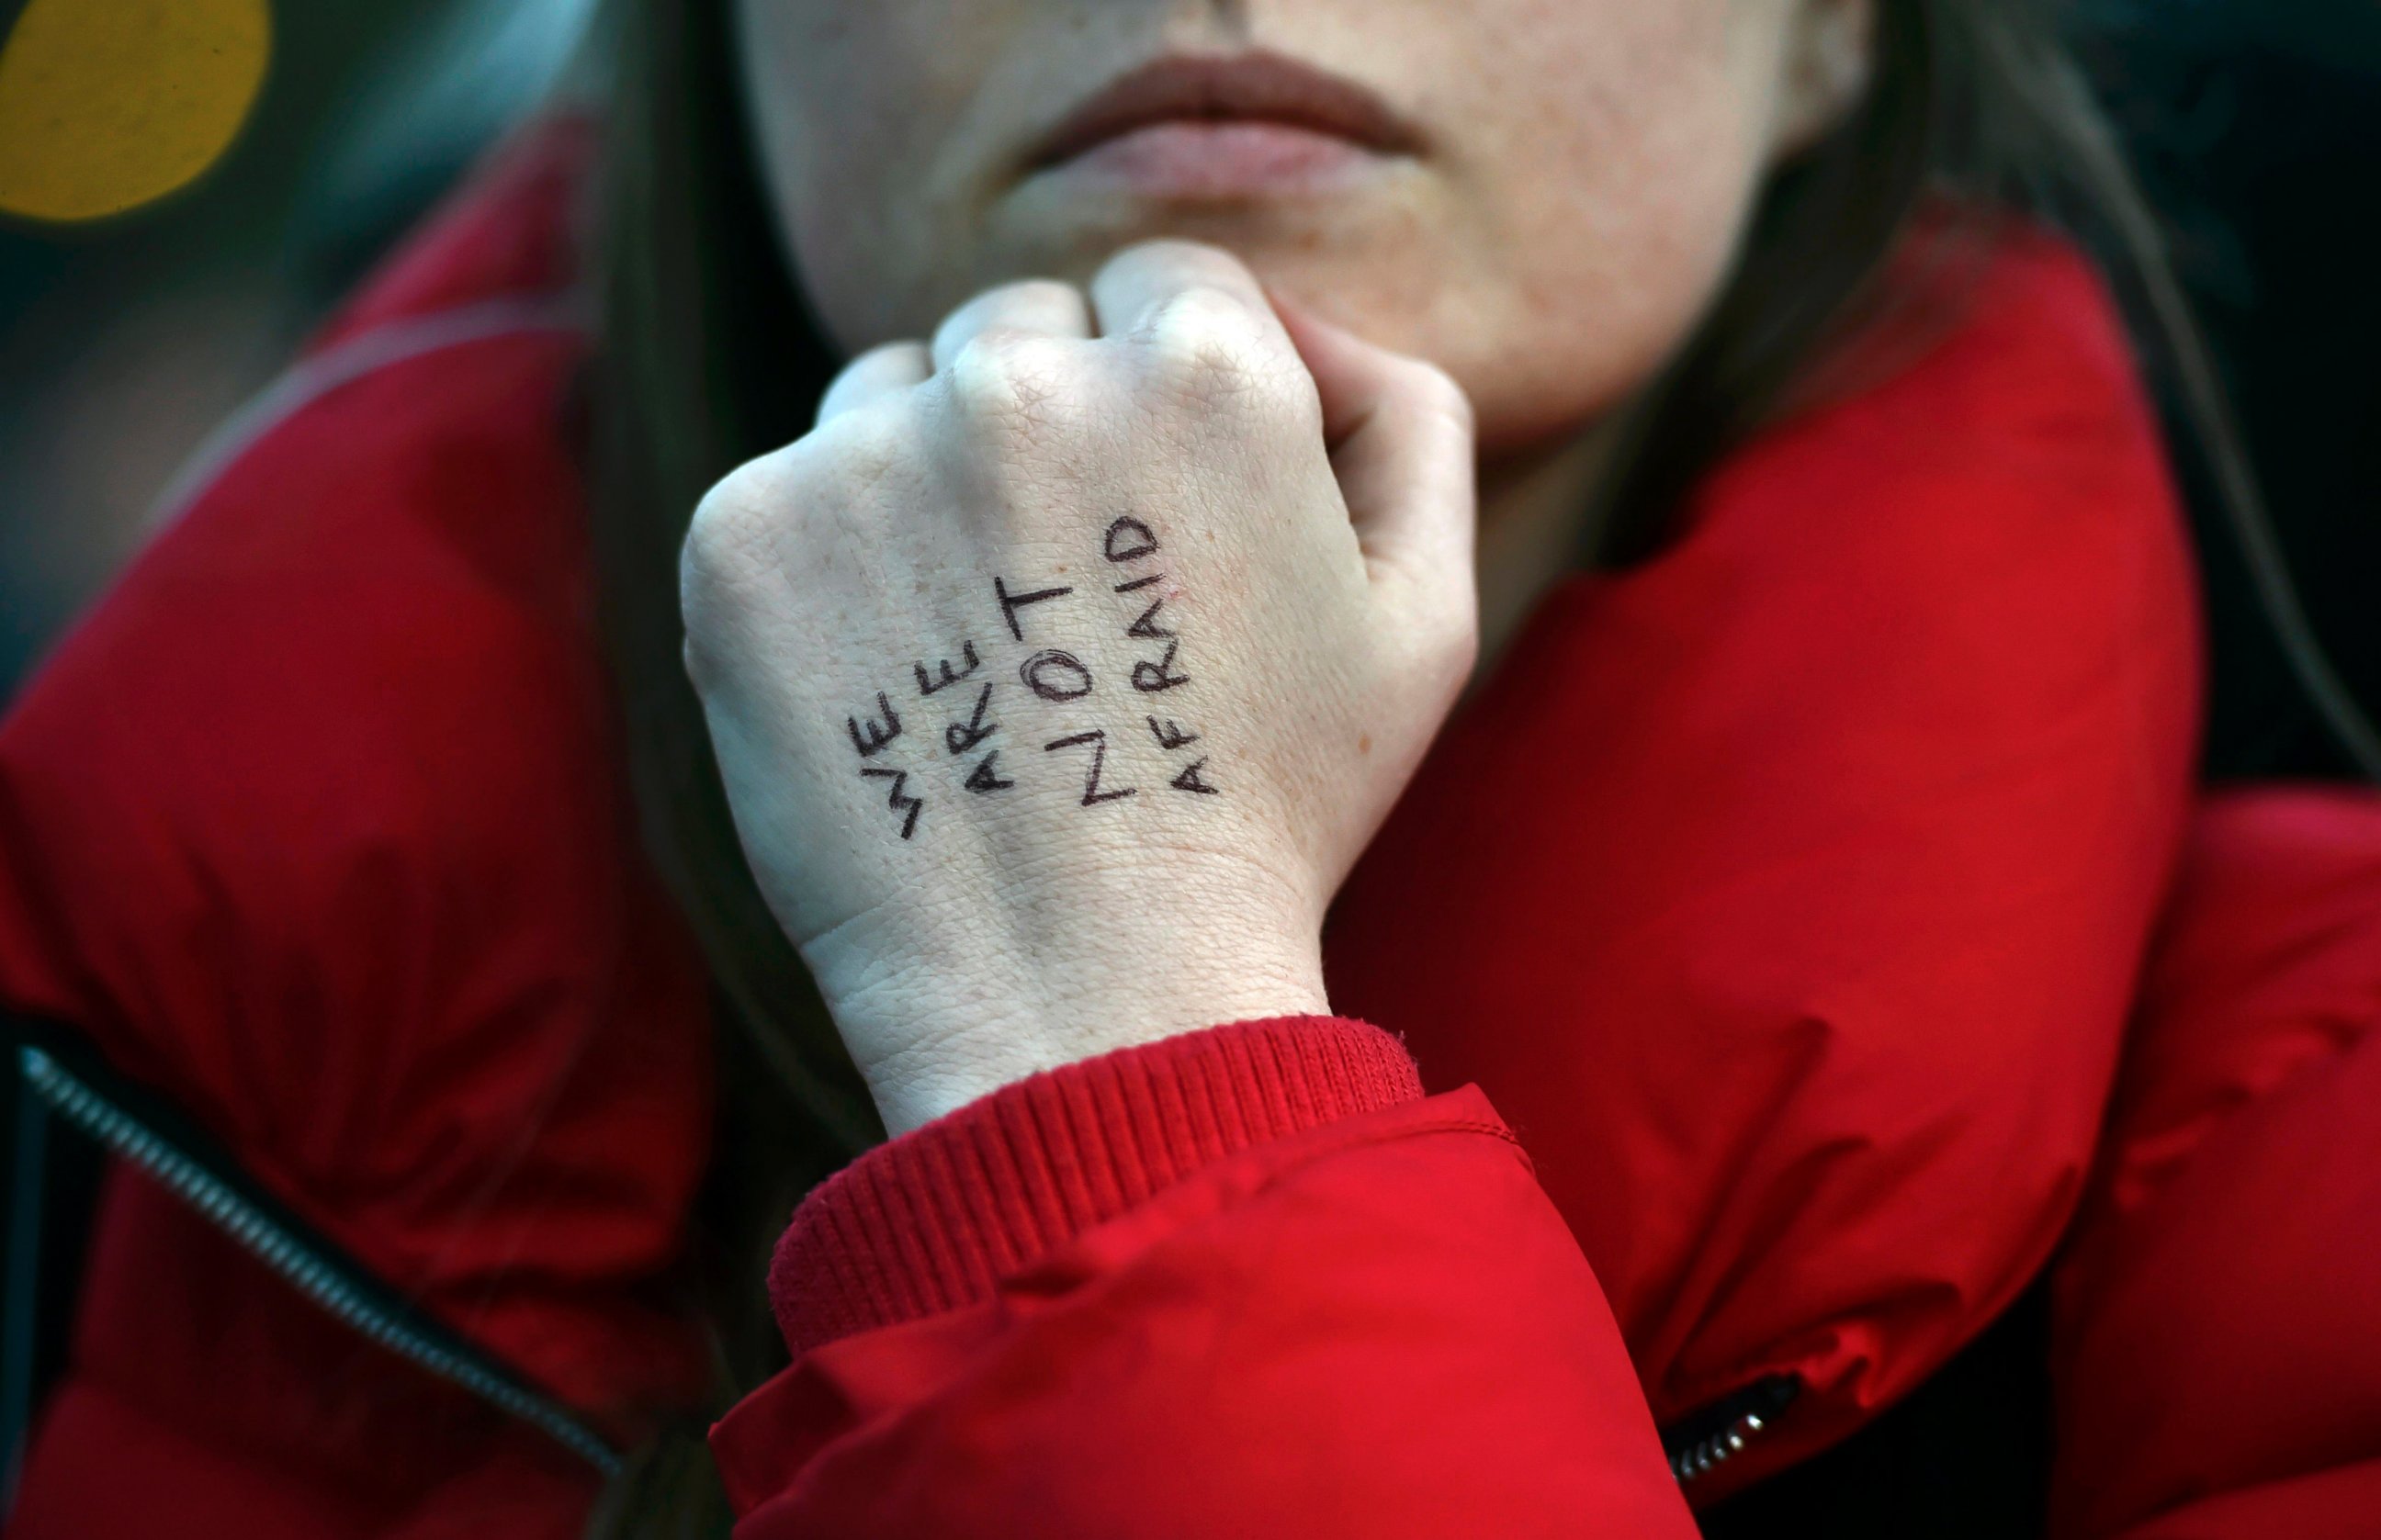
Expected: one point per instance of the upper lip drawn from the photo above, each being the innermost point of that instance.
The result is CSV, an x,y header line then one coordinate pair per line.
x,y
1253,87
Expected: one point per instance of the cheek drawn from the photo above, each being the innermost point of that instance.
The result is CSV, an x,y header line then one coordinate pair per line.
x,y
1610,193
850,104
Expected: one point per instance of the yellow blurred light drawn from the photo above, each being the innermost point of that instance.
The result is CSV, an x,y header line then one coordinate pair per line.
x,y
106,105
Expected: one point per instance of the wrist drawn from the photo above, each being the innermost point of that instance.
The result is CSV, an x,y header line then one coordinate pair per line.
x,y
938,1017
936,1075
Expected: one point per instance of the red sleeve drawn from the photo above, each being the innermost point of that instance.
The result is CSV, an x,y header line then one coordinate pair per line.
x,y
1247,1281
2219,1352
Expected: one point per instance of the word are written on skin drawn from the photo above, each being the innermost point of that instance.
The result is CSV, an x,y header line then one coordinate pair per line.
x,y
1050,674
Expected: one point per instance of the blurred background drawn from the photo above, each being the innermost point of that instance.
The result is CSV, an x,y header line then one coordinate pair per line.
x,y
124,340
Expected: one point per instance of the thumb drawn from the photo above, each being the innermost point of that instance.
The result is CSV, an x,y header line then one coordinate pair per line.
x,y
1398,431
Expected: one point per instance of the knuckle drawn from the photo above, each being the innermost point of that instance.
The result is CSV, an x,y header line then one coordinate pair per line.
x,y
1180,258
1458,646
862,449
1044,307
1008,378
1198,318
883,369
886,357
1450,640
1205,343
724,535
1435,665
701,659
1437,635
791,508
1041,296
707,603
713,604
1437,393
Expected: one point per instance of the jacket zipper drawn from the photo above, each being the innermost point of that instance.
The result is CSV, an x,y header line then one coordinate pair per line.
x,y
313,1275
1720,1432
1701,1458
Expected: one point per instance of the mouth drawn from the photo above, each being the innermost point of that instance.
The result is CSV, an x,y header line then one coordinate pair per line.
x,y
1223,127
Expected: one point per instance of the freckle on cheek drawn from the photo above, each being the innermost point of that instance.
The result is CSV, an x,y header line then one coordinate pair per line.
x,y
1364,744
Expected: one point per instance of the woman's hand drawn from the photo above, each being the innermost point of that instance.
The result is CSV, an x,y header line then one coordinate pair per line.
x,y
1059,678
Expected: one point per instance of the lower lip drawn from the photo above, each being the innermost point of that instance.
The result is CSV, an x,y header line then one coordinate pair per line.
x,y
1220,160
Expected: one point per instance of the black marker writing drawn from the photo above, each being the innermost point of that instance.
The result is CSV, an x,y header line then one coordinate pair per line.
x,y
1010,603
1171,736
1140,582
1189,781
1147,628
1150,678
897,801
1055,675
1092,795
961,738
986,778
871,743
928,687
1130,539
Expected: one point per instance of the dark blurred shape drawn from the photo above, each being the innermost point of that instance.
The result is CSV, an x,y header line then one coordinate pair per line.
x,y
2257,129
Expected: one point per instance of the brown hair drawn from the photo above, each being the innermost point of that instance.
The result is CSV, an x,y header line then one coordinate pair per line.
x,y
709,358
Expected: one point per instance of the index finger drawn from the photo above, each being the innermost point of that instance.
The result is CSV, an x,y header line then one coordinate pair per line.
x,y
1138,282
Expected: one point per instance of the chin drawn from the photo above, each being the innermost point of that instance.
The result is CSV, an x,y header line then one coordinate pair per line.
x,y
1074,224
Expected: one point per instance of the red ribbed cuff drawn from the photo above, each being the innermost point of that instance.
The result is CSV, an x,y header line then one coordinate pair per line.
x,y
930,1221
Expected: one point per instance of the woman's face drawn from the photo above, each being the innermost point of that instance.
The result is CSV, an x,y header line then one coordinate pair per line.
x,y
1538,195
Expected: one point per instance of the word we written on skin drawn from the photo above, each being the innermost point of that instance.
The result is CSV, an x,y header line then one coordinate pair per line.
x,y
949,695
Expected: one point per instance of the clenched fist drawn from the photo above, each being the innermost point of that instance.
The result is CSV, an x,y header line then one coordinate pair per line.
x,y
1061,672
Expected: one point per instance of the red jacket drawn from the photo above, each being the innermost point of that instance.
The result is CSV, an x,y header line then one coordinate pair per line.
x,y
1787,900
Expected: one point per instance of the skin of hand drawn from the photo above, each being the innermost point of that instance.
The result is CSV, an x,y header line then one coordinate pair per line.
x,y
1198,569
